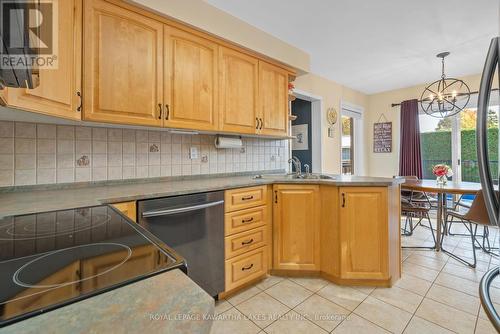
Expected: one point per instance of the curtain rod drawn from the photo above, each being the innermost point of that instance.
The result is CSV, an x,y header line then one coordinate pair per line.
x,y
398,104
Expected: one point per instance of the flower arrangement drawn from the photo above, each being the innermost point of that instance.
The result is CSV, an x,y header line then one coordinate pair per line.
x,y
442,172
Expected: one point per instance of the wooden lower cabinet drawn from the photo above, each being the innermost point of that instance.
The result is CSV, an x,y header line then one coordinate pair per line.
x,y
364,233
296,227
237,199
246,268
128,209
247,231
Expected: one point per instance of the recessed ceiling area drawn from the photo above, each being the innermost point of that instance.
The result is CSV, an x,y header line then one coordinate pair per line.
x,y
378,45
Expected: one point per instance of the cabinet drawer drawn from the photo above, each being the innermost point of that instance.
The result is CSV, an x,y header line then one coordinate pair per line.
x,y
245,220
244,198
246,241
246,267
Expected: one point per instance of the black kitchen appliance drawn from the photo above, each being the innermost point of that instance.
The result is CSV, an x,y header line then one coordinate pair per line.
x,y
48,260
193,225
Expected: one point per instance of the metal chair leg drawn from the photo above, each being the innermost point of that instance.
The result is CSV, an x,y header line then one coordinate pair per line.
x,y
432,231
456,257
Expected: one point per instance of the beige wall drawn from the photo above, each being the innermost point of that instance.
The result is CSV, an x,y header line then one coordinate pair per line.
x,y
387,164
332,95
202,15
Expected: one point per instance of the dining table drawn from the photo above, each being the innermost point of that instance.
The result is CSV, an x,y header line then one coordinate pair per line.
x,y
441,190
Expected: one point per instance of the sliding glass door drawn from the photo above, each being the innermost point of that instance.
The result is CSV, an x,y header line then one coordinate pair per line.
x,y
452,141
436,143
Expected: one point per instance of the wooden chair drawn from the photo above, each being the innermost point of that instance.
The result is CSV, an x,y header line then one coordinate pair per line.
x,y
476,215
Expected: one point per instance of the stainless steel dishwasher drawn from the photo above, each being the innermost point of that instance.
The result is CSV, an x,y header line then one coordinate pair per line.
x,y
193,225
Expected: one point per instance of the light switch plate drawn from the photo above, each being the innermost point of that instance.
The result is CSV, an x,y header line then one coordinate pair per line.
x,y
193,153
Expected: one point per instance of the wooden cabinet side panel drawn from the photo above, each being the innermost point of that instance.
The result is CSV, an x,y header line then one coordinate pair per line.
x,y
128,209
56,94
123,65
394,221
364,233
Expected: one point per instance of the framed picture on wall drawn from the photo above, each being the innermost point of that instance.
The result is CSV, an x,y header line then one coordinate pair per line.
x,y
300,132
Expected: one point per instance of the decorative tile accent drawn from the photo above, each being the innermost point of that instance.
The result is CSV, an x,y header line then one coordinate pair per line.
x,y
83,161
48,153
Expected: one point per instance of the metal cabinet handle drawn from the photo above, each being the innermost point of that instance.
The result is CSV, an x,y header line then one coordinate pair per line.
x,y
256,123
246,198
343,200
247,242
247,268
161,111
261,123
79,108
276,197
167,114
247,220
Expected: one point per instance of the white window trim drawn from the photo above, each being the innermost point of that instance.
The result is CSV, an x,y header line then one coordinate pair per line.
x,y
356,112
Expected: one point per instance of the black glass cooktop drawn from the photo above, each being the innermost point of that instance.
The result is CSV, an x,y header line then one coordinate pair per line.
x,y
50,259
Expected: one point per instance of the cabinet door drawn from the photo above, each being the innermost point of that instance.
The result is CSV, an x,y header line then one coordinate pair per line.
x,y
59,89
296,227
123,66
190,81
273,99
238,91
363,233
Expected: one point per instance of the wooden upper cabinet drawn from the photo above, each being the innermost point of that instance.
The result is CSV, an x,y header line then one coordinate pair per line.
x,y
238,84
273,99
364,233
57,93
123,65
296,228
190,81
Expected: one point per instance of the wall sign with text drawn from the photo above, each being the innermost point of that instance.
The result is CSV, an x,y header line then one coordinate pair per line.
x,y
382,137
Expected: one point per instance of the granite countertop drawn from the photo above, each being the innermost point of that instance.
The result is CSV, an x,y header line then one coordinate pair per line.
x,y
50,198
166,303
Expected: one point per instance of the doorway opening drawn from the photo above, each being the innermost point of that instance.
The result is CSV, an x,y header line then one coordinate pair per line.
x,y
352,140
307,128
347,145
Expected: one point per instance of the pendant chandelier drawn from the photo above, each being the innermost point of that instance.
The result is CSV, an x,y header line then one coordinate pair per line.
x,y
445,97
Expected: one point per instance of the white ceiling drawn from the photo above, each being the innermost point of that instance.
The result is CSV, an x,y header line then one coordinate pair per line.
x,y
378,45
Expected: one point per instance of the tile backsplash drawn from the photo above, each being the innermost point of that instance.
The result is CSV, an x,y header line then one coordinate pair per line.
x,y
47,153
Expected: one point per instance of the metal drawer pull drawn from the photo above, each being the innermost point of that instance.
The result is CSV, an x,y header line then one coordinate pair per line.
x,y
248,220
247,268
248,242
180,210
246,198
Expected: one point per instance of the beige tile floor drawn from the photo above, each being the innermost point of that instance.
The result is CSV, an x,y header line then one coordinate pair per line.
x,y
436,294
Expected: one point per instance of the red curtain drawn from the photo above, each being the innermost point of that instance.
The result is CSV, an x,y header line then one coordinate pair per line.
x,y
410,157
